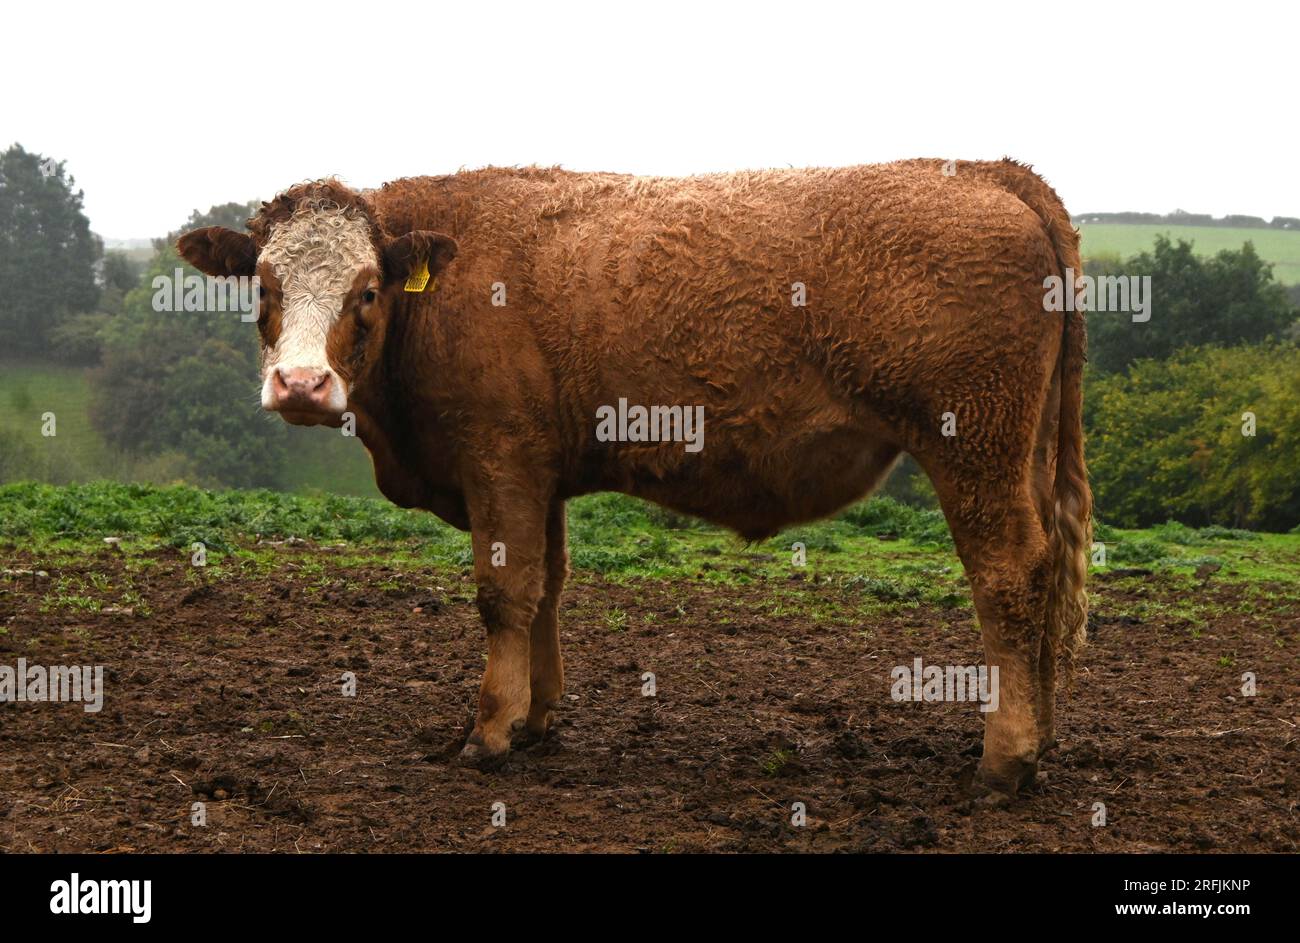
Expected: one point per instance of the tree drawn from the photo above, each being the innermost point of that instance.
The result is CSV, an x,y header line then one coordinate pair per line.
x,y
119,271
1230,298
185,382
231,215
1209,436
78,340
47,251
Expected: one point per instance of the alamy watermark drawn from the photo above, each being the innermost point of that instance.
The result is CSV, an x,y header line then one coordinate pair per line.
x,y
57,683
651,424
79,895
1125,293
208,294
922,682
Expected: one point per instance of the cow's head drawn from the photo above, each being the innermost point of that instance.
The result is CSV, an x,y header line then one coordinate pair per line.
x,y
330,275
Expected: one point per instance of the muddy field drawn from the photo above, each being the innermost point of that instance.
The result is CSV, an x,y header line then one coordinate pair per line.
x,y
229,693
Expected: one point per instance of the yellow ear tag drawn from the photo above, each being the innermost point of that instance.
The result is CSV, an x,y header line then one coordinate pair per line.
x,y
419,278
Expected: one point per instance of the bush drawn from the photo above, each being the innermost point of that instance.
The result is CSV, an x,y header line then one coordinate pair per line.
x,y
1228,299
1166,440
886,517
77,340
908,484
670,520
1137,550
178,515
18,457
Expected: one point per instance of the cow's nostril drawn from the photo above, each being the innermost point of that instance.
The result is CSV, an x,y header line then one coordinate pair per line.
x,y
296,387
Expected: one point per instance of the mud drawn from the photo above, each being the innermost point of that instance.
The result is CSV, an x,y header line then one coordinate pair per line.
x,y
229,693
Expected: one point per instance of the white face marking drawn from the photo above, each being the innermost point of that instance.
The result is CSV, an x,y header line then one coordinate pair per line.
x,y
316,255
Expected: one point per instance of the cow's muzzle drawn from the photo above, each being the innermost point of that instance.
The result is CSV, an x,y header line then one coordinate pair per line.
x,y
303,394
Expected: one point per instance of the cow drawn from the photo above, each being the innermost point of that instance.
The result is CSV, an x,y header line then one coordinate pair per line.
x,y
821,322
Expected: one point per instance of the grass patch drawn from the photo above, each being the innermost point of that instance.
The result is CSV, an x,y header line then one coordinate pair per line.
x,y
1279,246
877,556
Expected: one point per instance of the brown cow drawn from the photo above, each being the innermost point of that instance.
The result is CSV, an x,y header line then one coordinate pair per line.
x,y
825,320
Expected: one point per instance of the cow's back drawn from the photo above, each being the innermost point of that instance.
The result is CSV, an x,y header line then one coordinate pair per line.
x,y
809,311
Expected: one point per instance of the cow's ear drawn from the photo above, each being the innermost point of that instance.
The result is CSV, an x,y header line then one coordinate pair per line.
x,y
218,251
405,255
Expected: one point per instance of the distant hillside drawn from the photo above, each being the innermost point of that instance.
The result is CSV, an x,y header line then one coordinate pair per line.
x,y
142,243
322,460
139,251
1276,245
1184,218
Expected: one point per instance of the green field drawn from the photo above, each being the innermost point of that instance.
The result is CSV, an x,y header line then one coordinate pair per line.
x,y
896,555
1279,246
75,452
321,459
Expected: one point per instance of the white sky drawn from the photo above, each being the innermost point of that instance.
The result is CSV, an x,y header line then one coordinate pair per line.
x,y
159,108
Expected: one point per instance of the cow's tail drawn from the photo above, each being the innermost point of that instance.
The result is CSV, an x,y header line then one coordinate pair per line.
x,y
1070,530
1070,536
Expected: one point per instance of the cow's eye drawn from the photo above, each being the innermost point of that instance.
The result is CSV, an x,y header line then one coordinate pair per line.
x,y
368,296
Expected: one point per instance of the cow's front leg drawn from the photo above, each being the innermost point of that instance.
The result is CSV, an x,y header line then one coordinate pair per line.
x,y
509,538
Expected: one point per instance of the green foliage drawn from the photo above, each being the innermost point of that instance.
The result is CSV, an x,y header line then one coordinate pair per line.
x,y
890,590
119,272
1136,551
886,517
600,512
77,340
317,459
1175,533
27,393
177,381
813,538
180,515
1166,440
908,484
1230,298
18,455
47,251
209,419
612,537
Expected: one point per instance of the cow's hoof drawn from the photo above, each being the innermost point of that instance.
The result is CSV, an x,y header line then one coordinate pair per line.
x,y
1006,777
1047,746
477,756
526,738
537,726
991,799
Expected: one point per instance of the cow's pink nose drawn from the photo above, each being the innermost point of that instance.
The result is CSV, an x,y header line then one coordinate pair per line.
x,y
301,387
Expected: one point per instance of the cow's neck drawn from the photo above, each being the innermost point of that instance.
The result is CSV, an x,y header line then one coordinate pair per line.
x,y
396,424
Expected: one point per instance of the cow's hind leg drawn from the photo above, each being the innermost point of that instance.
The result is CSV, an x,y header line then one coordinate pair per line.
x,y
547,663
1046,667
1003,547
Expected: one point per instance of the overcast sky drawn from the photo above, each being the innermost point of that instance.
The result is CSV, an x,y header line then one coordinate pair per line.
x,y
161,108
